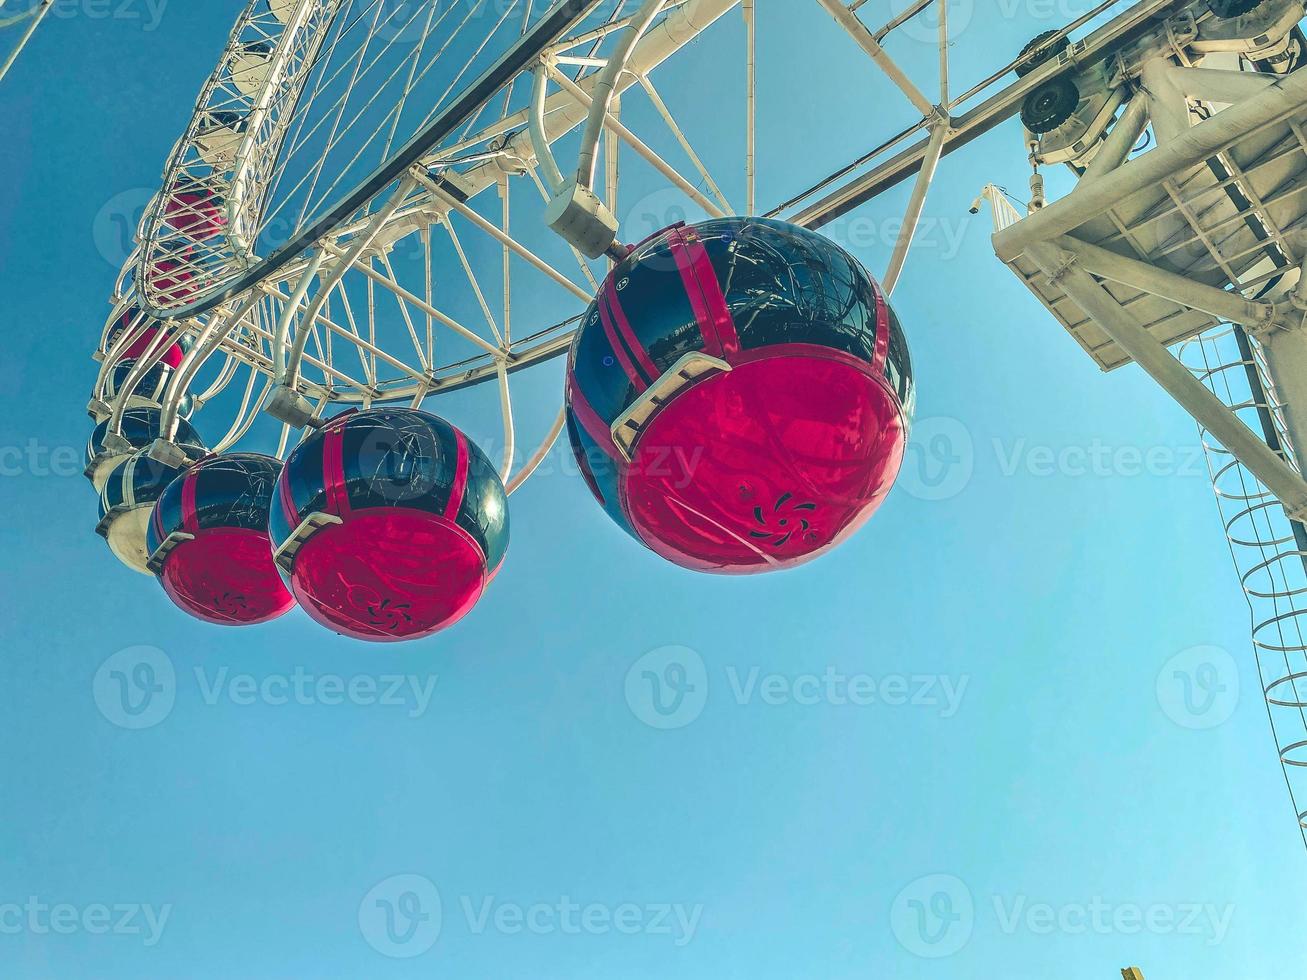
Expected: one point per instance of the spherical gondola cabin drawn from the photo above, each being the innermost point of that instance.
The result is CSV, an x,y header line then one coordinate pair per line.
x,y
249,66
739,395
219,138
148,392
171,276
389,524
208,541
126,503
142,339
140,427
283,10
196,208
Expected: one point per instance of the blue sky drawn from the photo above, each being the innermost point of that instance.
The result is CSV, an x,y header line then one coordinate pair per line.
x,y
954,748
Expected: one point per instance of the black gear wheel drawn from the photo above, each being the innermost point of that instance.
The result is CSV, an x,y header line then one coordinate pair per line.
x,y
1229,9
1049,106
1038,51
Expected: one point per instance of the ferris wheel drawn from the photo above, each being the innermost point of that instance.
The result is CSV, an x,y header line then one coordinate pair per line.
x,y
372,205
377,205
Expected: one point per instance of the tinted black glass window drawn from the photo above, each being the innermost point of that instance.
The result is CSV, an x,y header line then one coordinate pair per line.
x,y
600,472
484,513
150,386
898,366
399,459
307,489
598,372
169,511
140,428
652,294
235,491
788,286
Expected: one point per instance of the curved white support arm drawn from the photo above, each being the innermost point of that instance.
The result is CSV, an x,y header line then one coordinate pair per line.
x,y
210,339
288,311
506,410
606,87
151,356
114,353
549,172
539,455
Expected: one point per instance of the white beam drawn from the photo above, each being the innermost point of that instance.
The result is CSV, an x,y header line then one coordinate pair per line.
x,y
857,30
1120,141
912,216
1178,381
1223,304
